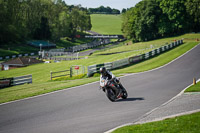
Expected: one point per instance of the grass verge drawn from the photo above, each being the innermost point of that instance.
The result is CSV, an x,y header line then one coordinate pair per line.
x,y
194,88
182,124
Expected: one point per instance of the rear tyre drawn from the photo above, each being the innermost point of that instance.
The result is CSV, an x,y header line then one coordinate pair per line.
x,y
124,94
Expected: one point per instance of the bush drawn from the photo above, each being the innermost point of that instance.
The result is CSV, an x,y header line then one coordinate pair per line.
x,y
96,75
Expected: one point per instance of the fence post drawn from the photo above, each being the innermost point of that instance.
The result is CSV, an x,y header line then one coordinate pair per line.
x,y
31,79
83,69
70,71
194,81
51,74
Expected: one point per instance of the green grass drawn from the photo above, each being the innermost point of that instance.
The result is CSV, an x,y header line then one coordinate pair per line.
x,y
29,90
194,88
106,24
182,124
80,76
65,42
15,49
41,72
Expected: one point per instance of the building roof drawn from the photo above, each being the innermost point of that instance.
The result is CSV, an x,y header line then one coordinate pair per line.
x,y
22,61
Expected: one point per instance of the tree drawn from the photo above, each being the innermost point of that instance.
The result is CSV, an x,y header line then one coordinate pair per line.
x,y
40,19
123,10
151,19
193,9
104,10
128,20
43,32
142,21
176,12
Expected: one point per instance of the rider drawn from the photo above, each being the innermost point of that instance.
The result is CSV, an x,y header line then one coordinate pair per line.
x,y
107,74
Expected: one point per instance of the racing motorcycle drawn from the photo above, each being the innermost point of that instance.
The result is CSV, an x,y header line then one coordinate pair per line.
x,y
113,89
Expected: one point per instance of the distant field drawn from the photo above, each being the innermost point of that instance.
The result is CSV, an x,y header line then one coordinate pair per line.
x,y
106,24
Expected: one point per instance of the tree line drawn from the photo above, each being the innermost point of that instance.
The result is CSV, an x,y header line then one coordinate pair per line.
x,y
103,10
151,19
40,19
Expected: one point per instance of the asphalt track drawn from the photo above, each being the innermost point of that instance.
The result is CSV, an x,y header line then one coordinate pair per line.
x,y
85,109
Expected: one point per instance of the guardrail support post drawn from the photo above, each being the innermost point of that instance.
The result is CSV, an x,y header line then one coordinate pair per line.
x,y
194,81
51,74
70,71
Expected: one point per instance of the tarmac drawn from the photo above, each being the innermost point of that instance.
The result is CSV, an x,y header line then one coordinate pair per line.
x,y
181,104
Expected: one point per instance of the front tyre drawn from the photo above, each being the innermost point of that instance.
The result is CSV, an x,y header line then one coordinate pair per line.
x,y
111,95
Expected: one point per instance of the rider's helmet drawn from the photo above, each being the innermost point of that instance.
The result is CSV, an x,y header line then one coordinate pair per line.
x,y
103,71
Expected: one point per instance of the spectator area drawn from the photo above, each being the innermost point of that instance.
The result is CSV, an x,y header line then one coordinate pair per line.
x,y
44,44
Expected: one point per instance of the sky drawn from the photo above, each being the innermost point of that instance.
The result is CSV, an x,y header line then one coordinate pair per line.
x,y
117,4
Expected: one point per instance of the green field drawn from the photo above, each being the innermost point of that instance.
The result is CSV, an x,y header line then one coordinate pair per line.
x,y
194,88
106,24
182,124
41,72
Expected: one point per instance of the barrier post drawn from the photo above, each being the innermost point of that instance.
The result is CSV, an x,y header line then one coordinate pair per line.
x,y
51,74
70,71
194,81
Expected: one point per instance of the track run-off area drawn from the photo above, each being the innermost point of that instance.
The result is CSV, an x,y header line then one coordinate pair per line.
x,y
86,109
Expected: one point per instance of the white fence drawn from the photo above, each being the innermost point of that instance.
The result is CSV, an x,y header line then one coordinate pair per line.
x,y
22,80
89,45
120,63
15,56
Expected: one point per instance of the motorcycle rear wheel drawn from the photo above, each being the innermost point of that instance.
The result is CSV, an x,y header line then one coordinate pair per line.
x,y
124,94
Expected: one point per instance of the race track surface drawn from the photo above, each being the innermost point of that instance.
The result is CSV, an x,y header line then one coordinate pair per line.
x,y
86,109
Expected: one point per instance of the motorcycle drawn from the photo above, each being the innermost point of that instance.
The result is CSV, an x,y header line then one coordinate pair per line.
x,y
113,89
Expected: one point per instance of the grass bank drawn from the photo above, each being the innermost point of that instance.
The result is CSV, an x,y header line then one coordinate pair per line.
x,y
106,24
194,88
182,124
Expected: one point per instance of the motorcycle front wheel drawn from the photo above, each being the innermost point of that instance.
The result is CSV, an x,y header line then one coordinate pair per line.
x,y
111,95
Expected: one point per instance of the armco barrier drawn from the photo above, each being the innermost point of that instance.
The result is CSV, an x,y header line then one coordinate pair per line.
x,y
15,56
6,82
120,63
22,80
131,60
89,45
136,59
95,68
